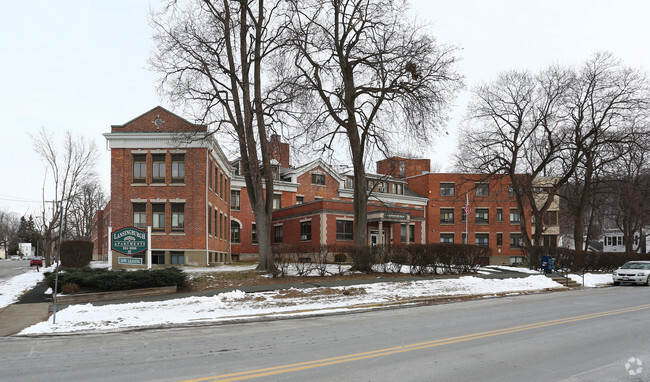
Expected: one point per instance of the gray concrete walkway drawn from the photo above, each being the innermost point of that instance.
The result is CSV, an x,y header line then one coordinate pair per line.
x,y
17,317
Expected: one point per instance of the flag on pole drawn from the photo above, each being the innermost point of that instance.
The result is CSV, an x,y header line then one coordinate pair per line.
x,y
468,209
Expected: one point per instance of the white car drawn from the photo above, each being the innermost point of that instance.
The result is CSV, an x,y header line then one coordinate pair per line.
x,y
14,257
637,272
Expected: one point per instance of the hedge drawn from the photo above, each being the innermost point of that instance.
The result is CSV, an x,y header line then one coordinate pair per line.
x,y
421,258
582,261
104,280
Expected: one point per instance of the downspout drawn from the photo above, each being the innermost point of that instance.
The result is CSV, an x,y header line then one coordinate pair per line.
x,y
207,229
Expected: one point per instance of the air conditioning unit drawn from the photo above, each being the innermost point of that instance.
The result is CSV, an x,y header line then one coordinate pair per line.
x,y
303,237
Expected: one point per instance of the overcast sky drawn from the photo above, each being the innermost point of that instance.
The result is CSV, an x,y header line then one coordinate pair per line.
x,y
82,65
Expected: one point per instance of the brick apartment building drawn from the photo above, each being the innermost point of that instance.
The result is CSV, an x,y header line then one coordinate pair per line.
x,y
494,219
197,204
182,191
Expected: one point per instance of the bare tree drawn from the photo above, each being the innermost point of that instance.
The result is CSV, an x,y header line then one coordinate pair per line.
x,y
8,228
516,129
606,102
212,56
68,169
89,200
369,76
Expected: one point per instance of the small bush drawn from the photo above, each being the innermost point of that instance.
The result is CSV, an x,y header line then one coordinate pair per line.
x,y
70,288
340,258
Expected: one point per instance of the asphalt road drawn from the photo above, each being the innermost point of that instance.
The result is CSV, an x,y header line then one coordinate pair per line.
x,y
10,268
583,335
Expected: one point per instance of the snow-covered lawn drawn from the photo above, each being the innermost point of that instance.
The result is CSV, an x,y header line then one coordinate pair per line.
x,y
238,305
293,302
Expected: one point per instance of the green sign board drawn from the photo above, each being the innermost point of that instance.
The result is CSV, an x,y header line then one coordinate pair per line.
x,y
129,260
129,241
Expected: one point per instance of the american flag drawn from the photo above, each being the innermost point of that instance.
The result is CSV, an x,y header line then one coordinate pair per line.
x,y
468,209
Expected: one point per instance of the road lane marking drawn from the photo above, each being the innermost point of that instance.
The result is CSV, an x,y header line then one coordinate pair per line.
x,y
258,373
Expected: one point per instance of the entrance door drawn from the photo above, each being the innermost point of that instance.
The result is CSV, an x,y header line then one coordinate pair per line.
x,y
374,237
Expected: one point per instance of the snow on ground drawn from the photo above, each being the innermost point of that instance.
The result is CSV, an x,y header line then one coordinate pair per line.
x,y
12,288
593,280
513,269
293,302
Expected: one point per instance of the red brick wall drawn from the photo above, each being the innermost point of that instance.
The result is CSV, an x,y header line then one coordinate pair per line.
x,y
412,167
499,197
311,191
279,151
145,123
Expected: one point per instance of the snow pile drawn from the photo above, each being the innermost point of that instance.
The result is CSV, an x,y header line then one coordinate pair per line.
x,y
292,302
592,280
16,286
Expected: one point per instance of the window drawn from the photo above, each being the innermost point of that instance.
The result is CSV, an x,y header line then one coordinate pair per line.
x,y
178,168
235,200
349,182
446,215
344,230
300,199
254,233
551,218
515,217
411,233
609,240
216,179
447,238
447,189
209,221
499,214
234,232
158,173
277,201
550,240
178,216
210,175
216,223
157,257
178,258
483,239
499,239
318,179
463,218
139,215
222,221
277,234
482,216
516,241
305,231
620,240
140,168
158,216
382,187
399,189
464,238
482,189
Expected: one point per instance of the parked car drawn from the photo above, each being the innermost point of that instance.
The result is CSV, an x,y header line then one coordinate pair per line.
x,y
15,257
637,272
37,260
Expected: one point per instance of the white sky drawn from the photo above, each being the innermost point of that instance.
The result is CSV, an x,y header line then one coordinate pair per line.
x,y
81,65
